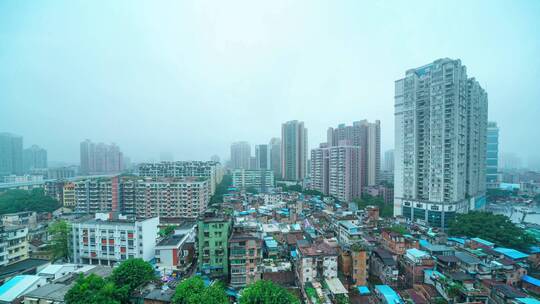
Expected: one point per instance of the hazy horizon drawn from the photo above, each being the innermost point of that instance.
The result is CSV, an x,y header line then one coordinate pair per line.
x,y
190,78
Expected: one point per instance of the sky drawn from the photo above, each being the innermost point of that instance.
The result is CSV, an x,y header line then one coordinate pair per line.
x,y
191,77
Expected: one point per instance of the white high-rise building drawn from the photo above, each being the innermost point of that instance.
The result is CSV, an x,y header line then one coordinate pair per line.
x,y
293,150
275,156
262,157
367,136
492,156
240,155
440,143
337,170
389,160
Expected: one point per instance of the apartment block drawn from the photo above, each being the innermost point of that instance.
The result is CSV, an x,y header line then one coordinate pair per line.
x,y
171,197
260,180
98,195
367,136
492,156
207,169
213,253
11,147
440,143
241,155
294,147
100,158
104,240
69,197
337,171
245,255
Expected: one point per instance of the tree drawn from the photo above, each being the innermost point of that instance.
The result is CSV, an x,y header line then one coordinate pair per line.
x,y
166,231
266,292
342,299
496,228
131,274
93,290
252,190
13,201
193,291
59,233
221,189
385,210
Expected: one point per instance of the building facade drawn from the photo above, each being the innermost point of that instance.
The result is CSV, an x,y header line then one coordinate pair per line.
x,y
171,197
440,143
208,169
337,171
100,158
245,254
240,155
275,156
492,156
105,241
11,155
213,252
294,145
260,180
367,136
34,158
262,157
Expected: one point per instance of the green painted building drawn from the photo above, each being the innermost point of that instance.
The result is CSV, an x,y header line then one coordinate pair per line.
x,y
213,234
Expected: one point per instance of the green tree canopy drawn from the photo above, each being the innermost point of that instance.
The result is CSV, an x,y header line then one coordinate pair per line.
x,y
385,210
221,189
193,291
266,292
94,290
59,233
132,273
167,230
13,201
495,228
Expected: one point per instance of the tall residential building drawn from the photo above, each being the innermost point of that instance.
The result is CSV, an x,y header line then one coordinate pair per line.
x,y
440,143
240,155
492,156
367,136
260,180
11,154
69,198
171,197
34,158
206,169
294,145
98,195
275,156
100,158
337,171
246,257
106,241
213,252
389,161
320,169
262,157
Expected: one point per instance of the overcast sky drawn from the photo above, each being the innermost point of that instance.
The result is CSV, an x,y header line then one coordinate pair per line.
x,y
190,77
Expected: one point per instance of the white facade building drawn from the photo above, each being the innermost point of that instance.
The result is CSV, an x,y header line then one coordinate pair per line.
x,y
104,241
260,180
440,143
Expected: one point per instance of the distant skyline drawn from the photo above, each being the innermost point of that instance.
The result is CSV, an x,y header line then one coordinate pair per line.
x,y
190,78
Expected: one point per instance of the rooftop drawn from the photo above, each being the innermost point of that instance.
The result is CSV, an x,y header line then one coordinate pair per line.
x,y
21,266
16,286
483,242
172,240
511,253
52,292
390,296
